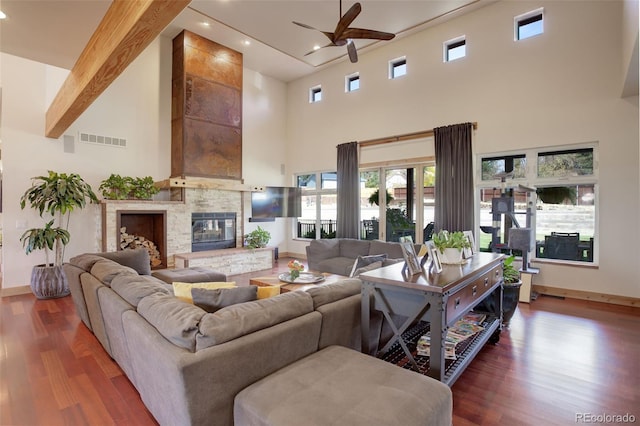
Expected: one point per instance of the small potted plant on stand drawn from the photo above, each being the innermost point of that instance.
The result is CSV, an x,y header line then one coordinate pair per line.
x,y
257,238
56,194
450,245
510,289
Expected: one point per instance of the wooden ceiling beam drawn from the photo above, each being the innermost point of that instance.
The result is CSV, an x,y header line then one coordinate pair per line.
x,y
126,30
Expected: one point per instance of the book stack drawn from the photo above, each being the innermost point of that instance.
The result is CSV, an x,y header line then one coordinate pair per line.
x,y
463,329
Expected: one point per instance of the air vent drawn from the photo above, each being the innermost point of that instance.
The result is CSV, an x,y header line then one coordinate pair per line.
x,y
102,140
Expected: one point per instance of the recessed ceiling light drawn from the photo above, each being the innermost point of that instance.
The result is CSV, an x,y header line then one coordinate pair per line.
x,y
206,24
316,47
2,15
246,42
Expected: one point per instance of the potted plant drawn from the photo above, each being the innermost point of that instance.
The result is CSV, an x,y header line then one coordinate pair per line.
x,y
510,289
257,238
117,187
450,245
56,194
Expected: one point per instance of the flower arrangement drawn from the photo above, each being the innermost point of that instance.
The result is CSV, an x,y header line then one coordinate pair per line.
x,y
295,267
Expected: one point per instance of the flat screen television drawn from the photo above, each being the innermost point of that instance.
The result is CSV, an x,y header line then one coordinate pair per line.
x,y
276,201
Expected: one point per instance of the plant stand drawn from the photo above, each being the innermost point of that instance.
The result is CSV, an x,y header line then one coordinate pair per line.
x,y
49,282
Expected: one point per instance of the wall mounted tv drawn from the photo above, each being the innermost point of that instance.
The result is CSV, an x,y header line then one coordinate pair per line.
x,y
276,201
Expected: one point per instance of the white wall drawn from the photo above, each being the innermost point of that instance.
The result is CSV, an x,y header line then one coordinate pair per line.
x,y
137,106
562,87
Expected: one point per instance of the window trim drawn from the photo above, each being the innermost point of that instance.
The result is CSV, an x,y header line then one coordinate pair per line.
x,y
526,19
318,192
347,82
454,43
402,60
313,91
532,180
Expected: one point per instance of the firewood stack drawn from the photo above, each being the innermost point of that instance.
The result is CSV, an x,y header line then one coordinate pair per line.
x,y
130,241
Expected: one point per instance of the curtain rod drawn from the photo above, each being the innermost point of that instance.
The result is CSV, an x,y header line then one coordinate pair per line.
x,y
404,137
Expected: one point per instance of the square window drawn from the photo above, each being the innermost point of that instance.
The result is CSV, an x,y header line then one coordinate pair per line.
x,y
352,82
397,68
315,94
455,49
529,25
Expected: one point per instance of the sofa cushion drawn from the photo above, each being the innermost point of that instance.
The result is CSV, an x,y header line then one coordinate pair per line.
x,y
329,293
364,261
105,270
194,274
85,261
183,290
133,288
324,249
369,267
392,250
176,320
337,265
238,320
136,259
353,248
212,300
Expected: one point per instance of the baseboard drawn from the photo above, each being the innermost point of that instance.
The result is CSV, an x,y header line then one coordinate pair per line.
x,y
587,295
15,291
292,255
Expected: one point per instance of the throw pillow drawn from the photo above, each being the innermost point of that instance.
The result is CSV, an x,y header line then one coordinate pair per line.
x,y
265,292
137,259
216,299
183,290
362,261
369,267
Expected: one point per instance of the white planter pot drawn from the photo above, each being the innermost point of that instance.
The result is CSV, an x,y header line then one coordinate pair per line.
x,y
452,256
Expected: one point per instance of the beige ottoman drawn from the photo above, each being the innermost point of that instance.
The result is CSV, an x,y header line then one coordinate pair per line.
x,y
339,386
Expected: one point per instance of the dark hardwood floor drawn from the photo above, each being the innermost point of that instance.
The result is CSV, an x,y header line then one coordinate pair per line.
x,y
560,359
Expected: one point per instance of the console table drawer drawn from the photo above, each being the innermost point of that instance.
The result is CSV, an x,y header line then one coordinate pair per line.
x,y
460,301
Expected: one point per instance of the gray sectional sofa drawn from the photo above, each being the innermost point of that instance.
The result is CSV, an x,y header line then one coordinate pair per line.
x,y
338,255
189,365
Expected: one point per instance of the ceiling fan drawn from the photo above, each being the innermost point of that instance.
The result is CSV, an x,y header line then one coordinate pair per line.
x,y
343,34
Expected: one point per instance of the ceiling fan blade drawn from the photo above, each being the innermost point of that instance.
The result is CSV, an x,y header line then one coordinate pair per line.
x,y
305,26
309,27
322,47
347,19
353,53
366,34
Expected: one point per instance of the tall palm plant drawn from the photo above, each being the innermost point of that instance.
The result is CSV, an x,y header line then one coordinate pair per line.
x,y
56,194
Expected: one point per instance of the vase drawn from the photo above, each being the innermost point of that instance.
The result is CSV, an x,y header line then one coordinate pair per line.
x,y
49,282
452,256
510,298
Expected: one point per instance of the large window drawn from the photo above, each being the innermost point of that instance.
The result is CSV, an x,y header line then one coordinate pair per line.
x,y
319,205
555,192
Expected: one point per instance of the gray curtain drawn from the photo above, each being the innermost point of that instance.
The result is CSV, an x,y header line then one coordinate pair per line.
x,y
454,177
348,215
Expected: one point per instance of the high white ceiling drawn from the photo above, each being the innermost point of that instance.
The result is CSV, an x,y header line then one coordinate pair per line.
x,y
56,31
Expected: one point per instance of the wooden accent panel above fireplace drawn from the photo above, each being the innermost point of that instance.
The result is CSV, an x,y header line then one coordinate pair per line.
x,y
206,113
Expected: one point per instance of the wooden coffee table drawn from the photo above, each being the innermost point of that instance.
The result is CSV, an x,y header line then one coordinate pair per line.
x,y
273,280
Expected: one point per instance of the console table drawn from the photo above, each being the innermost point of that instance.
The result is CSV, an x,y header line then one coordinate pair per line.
x,y
441,299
